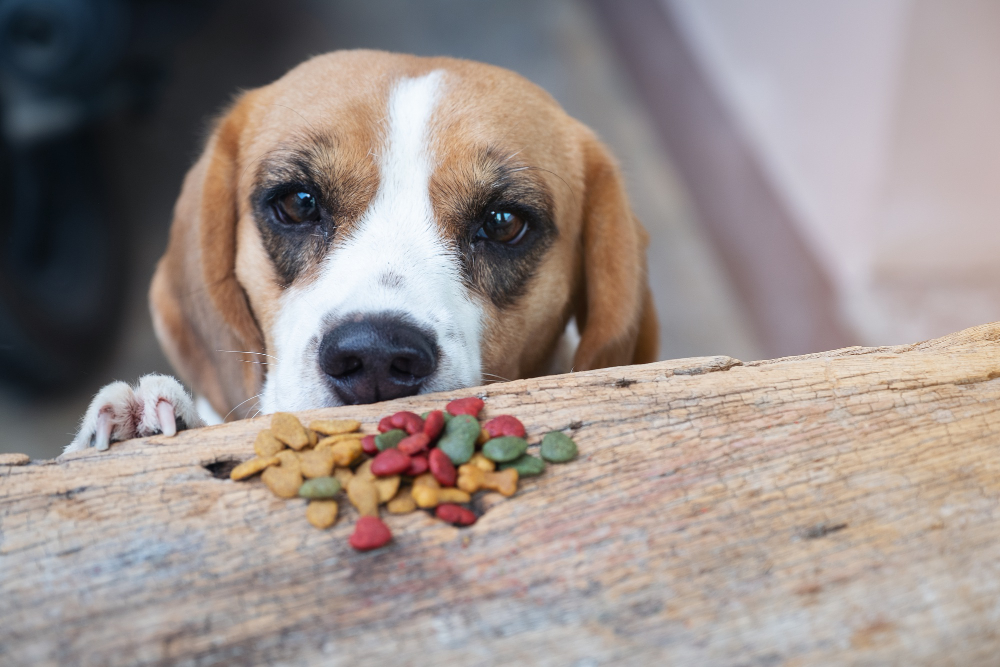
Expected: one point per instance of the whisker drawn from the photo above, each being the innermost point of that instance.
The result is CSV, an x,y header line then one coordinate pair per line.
x,y
248,352
239,404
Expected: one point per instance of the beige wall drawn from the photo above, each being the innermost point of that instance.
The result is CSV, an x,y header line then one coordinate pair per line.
x,y
877,124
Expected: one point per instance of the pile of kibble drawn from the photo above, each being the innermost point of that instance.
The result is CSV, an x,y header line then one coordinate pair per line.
x,y
434,461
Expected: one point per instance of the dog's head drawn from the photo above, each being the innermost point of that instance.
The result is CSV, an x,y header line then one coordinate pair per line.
x,y
373,225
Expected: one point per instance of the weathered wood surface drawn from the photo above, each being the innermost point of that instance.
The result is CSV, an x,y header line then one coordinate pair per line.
x,y
840,508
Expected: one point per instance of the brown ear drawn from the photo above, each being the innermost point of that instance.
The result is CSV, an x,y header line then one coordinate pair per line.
x,y
200,311
615,315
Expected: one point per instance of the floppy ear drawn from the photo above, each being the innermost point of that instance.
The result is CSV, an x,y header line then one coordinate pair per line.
x,y
615,312
199,308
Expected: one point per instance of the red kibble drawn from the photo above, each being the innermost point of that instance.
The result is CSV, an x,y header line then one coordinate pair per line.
x,y
434,424
454,514
385,424
441,467
414,444
368,445
465,406
504,425
390,462
418,466
408,421
371,533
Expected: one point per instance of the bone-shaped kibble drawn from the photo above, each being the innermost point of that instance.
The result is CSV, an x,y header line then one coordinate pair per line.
x,y
472,478
427,496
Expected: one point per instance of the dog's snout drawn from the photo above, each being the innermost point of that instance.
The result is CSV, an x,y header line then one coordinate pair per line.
x,y
376,359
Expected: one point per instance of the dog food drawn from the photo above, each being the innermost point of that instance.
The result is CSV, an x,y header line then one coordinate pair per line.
x,y
427,461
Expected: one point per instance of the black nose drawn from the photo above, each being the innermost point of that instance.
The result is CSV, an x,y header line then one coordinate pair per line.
x,y
377,358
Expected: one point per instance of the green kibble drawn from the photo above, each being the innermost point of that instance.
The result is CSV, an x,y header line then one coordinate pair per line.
x,y
526,465
506,448
389,439
459,438
320,488
558,447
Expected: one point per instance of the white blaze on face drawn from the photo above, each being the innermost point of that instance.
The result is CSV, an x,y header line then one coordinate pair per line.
x,y
396,237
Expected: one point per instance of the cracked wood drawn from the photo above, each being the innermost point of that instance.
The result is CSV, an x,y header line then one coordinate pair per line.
x,y
834,508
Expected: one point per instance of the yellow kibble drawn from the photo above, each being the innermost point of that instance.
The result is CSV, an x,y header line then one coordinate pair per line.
x,y
447,495
331,440
287,428
364,471
252,467
266,445
387,488
317,463
344,476
283,482
424,496
483,438
290,460
427,479
363,495
322,513
403,503
346,452
482,462
471,479
334,426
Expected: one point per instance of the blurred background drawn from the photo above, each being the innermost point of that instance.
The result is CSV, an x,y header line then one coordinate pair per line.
x,y
813,174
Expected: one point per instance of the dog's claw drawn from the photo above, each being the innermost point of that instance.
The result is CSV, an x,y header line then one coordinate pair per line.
x,y
102,433
168,422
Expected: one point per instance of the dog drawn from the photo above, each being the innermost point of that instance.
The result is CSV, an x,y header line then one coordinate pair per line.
x,y
376,225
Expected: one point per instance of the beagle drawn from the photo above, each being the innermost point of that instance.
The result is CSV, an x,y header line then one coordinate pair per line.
x,y
375,225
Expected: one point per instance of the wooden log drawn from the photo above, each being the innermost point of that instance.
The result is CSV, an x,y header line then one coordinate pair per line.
x,y
829,509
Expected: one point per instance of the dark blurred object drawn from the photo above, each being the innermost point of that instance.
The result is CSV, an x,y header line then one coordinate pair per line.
x,y
66,65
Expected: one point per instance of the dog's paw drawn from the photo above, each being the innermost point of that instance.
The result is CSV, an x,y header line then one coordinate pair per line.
x,y
157,404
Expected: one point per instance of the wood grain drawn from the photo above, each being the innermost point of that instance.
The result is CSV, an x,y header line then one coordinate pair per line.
x,y
838,508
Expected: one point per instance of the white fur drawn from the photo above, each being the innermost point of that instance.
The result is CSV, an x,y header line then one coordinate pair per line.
x,y
398,233
132,412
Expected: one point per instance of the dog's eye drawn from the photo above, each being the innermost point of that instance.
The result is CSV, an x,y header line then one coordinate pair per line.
x,y
503,227
297,208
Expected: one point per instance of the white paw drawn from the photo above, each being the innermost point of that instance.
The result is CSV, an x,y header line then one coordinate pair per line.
x,y
157,404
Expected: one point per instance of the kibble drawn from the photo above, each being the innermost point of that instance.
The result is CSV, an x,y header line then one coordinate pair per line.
x,y
287,428
482,462
441,467
322,513
465,406
459,439
526,465
472,479
389,439
506,448
402,503
408,421
418,466
346,452
387,488
455,514
289,460
558,447
414,444
320,488
370,533
390,462
503,425
266,445
334,426
283,482
344,476
433,424
368,445
252,467
426,496
316,463
332,440
364,496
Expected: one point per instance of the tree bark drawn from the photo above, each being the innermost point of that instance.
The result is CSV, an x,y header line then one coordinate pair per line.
x,y
828,509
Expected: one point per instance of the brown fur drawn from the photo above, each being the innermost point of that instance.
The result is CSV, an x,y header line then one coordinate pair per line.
x,y
216,289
